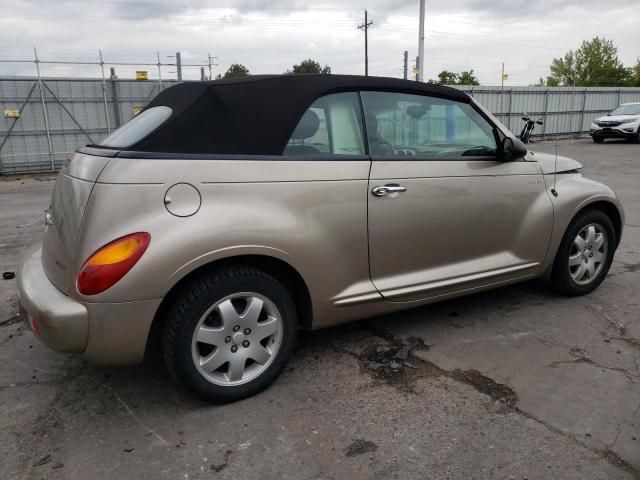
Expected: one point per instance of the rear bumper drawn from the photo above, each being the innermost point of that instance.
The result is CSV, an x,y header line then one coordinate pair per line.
x,y
58,321
107,334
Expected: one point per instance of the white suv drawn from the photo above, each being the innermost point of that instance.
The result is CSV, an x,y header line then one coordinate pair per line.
x,y
622,122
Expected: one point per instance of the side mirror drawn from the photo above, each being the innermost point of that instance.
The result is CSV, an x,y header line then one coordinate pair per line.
x,y
512,149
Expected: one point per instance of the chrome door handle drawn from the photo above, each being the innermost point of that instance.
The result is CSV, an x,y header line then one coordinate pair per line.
x,y
383,190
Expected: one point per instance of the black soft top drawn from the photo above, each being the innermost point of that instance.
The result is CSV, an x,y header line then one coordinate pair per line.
x,y
255,115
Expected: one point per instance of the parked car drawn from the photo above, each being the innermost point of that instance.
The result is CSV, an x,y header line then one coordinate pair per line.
x,y
621,122
229,215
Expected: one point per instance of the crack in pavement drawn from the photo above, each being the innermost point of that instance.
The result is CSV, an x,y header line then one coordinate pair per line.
x,y
397,366
580,358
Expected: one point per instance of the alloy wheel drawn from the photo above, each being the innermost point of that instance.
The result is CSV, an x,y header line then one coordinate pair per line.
x,y
588,254
237,338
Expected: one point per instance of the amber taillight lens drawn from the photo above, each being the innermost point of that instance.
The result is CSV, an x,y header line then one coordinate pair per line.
x,y
110,263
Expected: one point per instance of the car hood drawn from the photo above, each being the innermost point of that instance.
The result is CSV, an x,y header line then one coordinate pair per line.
x,y
548,163
617,118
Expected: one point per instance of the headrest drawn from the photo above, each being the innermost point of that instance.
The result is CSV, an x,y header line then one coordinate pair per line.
x,y
307,127
372,122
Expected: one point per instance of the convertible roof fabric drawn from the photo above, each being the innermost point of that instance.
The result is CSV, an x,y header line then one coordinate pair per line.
x,y
255,115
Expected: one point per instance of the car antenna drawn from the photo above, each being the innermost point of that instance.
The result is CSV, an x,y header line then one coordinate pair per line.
x,y
555,172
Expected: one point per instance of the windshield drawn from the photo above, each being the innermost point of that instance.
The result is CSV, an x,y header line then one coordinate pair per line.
x,y
631,109
137,128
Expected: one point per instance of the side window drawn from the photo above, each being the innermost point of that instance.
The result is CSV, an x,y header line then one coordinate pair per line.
x,y
404,125
330,126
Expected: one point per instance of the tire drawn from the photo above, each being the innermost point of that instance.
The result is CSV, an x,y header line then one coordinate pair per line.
x,y
576,270
597,139
248,323
636,137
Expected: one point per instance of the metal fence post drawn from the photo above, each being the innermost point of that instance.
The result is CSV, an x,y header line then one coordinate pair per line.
x,y
104,93
114,96
546,111
510,103
44,110
584,106
159,71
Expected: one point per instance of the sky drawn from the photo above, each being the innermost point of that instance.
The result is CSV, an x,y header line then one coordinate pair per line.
x,y
269,36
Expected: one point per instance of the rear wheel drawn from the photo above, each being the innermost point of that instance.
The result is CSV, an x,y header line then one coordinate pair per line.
x,y
585,254
230,333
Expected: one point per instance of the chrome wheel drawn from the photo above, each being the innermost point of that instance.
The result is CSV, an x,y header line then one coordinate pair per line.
x,y
588,254
237,339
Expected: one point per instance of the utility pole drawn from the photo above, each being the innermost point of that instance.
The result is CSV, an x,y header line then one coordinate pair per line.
x,y
179,66
405,68
416,70
420,63
365,26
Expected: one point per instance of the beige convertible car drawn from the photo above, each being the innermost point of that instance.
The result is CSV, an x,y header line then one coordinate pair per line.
x,y
228,215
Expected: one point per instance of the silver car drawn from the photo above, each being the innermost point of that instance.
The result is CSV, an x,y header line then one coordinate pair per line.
x,y
229,215
622,122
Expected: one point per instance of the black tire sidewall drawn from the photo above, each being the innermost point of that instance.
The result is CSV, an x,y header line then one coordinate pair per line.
x,y
561,275
193,303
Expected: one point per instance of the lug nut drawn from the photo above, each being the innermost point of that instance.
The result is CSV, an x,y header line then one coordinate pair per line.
x,y
247,331
245,344
234,348
227,340
236,328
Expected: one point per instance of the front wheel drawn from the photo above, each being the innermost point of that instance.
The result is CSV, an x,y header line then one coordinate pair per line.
x,y
598,139
585,254
230,333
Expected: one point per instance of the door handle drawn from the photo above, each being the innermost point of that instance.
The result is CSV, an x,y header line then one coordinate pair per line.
x,y
383,190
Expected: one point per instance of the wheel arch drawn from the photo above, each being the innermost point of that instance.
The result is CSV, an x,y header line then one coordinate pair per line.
x,y
609,209
279,269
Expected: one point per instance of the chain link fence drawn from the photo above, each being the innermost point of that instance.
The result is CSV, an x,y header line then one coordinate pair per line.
x,y
46,119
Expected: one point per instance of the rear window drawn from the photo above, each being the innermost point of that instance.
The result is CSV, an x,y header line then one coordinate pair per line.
x,y
137,128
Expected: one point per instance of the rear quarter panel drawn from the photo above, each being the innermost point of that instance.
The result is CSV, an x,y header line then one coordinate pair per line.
x,y
310,214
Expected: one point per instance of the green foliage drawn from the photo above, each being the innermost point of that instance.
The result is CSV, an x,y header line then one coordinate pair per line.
x,y
635,74
309,66
595,63
236,70
446,77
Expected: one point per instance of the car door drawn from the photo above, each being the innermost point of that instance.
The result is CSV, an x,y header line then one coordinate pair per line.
x,y
445,214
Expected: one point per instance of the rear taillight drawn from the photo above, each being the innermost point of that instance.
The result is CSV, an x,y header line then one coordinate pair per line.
x,y
110,263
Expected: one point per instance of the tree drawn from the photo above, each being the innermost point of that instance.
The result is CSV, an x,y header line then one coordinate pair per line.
x,y
468,78
236,70
635,74
309,66
446,77
549,82
595,63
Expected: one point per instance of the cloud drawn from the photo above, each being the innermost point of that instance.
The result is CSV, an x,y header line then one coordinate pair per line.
x,y
269,36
